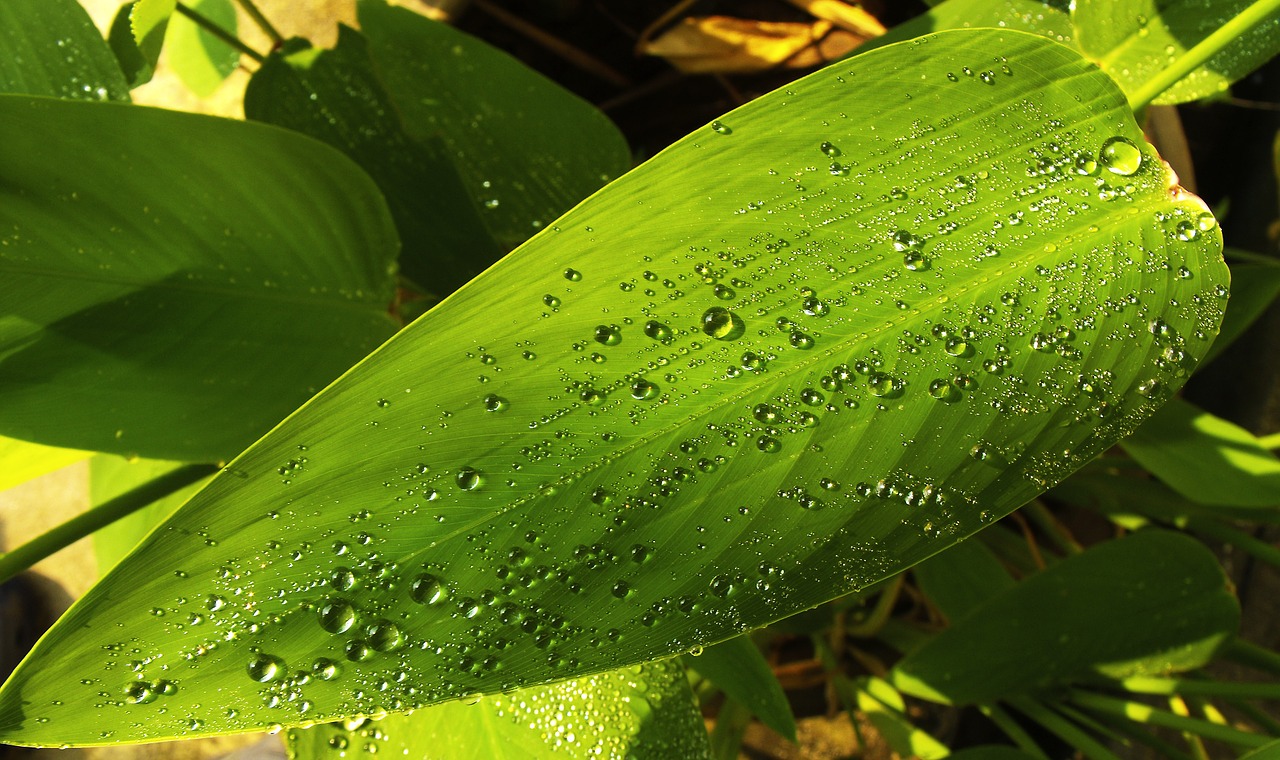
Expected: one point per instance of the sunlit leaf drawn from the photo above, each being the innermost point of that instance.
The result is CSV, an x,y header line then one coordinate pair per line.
x,y
1048,19
174,284
51,47
196,55
884,707
149,22
809,345
1154,602
1135,39
21,461
1206,458
645,712
136,66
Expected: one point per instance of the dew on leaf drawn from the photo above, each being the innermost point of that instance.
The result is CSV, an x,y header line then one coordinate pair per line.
x,y
609,335
722,324
265,667
468,479
336,616
1120,156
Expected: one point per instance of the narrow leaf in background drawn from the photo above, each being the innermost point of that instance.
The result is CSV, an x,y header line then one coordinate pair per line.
x,y
646,712
738,669
790,356
1155,602
51,47
174,284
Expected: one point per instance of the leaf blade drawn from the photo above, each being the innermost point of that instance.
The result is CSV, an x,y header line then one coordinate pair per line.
x,y
51,47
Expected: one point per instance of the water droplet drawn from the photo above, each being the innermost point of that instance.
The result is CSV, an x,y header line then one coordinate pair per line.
x,y
643,390
801,341
468,478
551,301
721,586
1120,156
494,403
722,324
384,636
140,693
1149,388
591,396
621,589
956,346
830,150
336,616
720,128
1186,231
915,262
342,579
814,307
325,669
768,444
881,385
264,667
609,335
765,413
905,241
658,331
573,275
752,361
943,390
811,397
724,292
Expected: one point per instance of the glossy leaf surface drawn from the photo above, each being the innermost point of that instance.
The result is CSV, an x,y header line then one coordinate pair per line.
x,y
645,712
174,284
1206,458
1135,39
50,47
1152,603
809,345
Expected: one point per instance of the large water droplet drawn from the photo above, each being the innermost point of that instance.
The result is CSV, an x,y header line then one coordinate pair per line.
x,y
336,616
658,331
1120,156
428,589
609,335
468,478
384,636
722,324
643,390
265,667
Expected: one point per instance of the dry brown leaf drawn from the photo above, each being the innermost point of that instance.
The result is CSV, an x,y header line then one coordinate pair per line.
x,y
721,44
851,18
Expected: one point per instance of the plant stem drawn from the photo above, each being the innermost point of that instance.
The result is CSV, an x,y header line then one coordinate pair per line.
x,y
1252,655
1260,550
1005,722
220,33
1143,713
252,11
880,612
1193,687
1053,530
104,514
1063,728
1262,11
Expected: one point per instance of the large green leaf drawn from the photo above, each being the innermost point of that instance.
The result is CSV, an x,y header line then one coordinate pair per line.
x,y
527,149
1155,602
1206,458
1133,40
646,712
336,96
807,346
200,59
174,284
50,47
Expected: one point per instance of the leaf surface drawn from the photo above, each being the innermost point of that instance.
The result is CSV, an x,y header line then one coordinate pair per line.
x,y
1206,458
645,712
174,284
741,672
149,23
51,47
21,461
1154,602
1135,39
201,60
961,578
802,349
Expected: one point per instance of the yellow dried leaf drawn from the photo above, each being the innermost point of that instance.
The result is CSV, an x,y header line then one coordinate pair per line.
x,y
848,17
721,44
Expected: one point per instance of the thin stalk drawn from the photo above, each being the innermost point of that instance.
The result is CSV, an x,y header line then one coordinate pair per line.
x,y
1194,743
252,11
1137,734
1260,550
1005,722
1261,12
1256,657
1259,717
1062,728
1196,688
1142,713
1054,530
104,514
220,33
880,612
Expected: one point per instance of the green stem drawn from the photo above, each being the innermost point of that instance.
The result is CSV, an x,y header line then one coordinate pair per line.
x,y
1191,687
1260,550
220,33
880,612
1063,728
1039,514
1252,655
104,514
252,11
1005,722
1262,11
1142,713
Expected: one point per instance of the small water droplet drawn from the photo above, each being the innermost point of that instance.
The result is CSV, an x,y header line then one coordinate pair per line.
x,y
830,150
573,275
768,444
720,128
915,262
551,301
494,403
658,331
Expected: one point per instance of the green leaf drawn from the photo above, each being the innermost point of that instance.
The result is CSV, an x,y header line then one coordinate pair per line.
x,y
702,401
1254,287
1155,602
21,461
1265,752
884,707
201,60
1206,458
336,96
51,47
174,284
1133,40
991,752
149,23
1048,19
645,712
526,148
741,672
137,68
112,476
962,578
